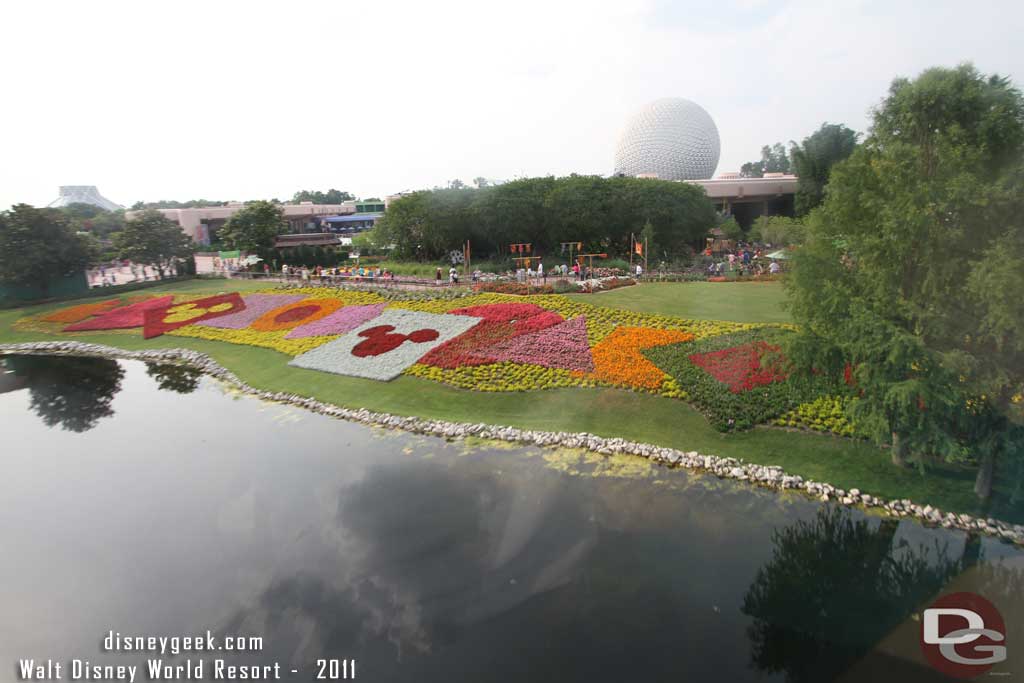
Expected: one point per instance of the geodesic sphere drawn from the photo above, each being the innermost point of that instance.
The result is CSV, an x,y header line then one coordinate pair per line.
x,y
672,138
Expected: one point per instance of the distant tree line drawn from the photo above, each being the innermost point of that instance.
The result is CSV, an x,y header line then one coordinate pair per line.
x,y
599,212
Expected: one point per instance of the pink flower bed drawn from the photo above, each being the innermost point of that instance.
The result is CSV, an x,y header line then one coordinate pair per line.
x,y
339,322
501,322
562,346
255,306
124,317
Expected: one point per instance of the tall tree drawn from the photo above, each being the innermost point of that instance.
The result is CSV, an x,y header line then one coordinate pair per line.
x,y
152,239
774,159
37,245
332,196
813,161
254,226
911,271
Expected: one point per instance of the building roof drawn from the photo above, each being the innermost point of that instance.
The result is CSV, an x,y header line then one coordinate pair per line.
x,y
353,218
313,239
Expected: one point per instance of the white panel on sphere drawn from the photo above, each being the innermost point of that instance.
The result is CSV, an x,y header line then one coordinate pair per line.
x,y
671,138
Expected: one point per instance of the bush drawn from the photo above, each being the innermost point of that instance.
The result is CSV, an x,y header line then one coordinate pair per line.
x,y
564,286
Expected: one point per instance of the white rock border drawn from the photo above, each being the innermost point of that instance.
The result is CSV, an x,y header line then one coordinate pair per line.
x,y
768,476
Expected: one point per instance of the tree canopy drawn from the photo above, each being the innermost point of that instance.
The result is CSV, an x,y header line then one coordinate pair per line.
x,y
813,160
332,196
911,271
152,238
37,245
254,226
545,211
774,159
172,204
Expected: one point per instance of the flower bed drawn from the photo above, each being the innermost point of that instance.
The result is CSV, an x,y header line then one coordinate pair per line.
x,y
158,321
256,305
732,358
823,414
562,346
518,288
339,322
618,359
79,313
297,313
382,348
132,315
499,323
743,367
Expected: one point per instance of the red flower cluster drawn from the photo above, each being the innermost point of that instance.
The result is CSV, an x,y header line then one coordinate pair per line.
x,y
382,338
500,323
740,367
513,288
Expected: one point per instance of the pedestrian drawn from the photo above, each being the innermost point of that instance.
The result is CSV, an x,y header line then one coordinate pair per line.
x,y
540,272
437,277
639,271
576,270
774,268
453,276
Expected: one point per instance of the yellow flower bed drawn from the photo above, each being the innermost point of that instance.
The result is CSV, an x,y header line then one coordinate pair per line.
x,y
502,377
825,414
269,340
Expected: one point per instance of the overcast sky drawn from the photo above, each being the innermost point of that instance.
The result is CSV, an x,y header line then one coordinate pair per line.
x,y
250,100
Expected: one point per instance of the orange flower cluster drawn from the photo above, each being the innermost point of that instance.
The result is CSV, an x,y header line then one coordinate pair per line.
x,y
292,315
618,358
80,312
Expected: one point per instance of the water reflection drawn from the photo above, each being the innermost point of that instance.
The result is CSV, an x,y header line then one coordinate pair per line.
x,y
73,392
435,561
834,587
176,378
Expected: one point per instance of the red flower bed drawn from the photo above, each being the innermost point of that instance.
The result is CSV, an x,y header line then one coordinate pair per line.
x,y
500,323
158,321
382,338
513,288
132,315
740,367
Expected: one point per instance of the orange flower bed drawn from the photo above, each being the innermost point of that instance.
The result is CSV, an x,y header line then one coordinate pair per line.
x,y
618,358
292,315
80,312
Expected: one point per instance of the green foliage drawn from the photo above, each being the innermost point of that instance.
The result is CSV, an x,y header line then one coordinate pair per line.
x,y
911,269
171,204
728,410
37,245
778,230
774,159
152,238
813,161
254,226
332,196
731,230
92,219
599,212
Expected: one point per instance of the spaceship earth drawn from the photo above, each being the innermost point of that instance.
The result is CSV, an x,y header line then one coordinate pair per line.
x,y
672,138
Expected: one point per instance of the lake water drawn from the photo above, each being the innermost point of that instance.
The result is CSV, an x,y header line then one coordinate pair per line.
x,y
151,501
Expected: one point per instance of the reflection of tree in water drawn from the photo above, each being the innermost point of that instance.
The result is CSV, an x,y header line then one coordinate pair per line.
x,y
833,588
178,378
70,391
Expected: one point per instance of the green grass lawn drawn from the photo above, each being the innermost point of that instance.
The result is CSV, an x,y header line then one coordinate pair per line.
x,y
742,302
606,412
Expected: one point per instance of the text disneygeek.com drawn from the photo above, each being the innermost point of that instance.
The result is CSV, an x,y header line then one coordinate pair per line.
x,y
197,669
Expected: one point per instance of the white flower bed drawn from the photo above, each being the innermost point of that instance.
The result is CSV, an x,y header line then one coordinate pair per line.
x,y
387,361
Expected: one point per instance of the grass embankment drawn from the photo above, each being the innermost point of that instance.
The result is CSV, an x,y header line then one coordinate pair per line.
x,y
742,302
606,412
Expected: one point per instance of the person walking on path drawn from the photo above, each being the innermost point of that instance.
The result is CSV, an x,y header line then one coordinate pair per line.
x,y
540,272
437,277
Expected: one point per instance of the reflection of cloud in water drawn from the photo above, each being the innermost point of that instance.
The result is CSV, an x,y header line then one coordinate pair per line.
x,y
423,552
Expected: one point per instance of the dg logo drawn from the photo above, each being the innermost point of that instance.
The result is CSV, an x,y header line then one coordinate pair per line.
x,y
962,635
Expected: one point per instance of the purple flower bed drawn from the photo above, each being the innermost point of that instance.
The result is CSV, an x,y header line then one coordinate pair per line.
x,y
255,306
339,322
562,346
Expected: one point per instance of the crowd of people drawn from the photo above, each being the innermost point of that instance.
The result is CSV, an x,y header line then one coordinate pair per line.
x,y
744,261
305,273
